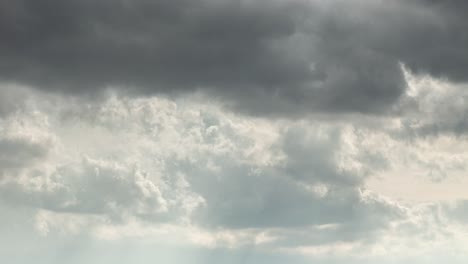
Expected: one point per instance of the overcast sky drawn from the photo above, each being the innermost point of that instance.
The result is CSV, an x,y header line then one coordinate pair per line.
x,y
233,131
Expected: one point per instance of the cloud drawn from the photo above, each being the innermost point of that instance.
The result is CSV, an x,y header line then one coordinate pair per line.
x,y
434,107
281,58
24,141
12,98
89,187
159,161
191,174
307,188
17,153
127,126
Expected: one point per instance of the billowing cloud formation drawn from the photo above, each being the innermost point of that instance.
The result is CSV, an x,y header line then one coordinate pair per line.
x,y
189,174
276,57
225,175
124,135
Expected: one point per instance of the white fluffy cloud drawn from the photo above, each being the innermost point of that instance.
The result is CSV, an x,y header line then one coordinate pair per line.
x,y
189,173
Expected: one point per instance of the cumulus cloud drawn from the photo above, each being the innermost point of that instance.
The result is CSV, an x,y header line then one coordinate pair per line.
x,y
161,162
194,175
233,131
89,187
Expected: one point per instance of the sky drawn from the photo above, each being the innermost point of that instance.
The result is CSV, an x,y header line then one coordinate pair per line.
x,y
233,131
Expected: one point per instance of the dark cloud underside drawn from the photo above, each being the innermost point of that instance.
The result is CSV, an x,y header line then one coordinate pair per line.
x,y
263,57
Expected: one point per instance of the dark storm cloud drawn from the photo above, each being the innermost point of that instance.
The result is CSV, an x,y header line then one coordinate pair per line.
x,y
159,45
439,47
275,57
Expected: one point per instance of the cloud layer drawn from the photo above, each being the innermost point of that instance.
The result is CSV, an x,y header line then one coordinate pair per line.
x,y
233,131
200,178
275,58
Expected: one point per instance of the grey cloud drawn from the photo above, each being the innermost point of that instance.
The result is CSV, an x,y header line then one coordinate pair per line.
x,y
311,159
370,218
89,187
428,36
17,153
436,107
456,210
307,189
157,44
438,40
284,57
24,141
12,99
